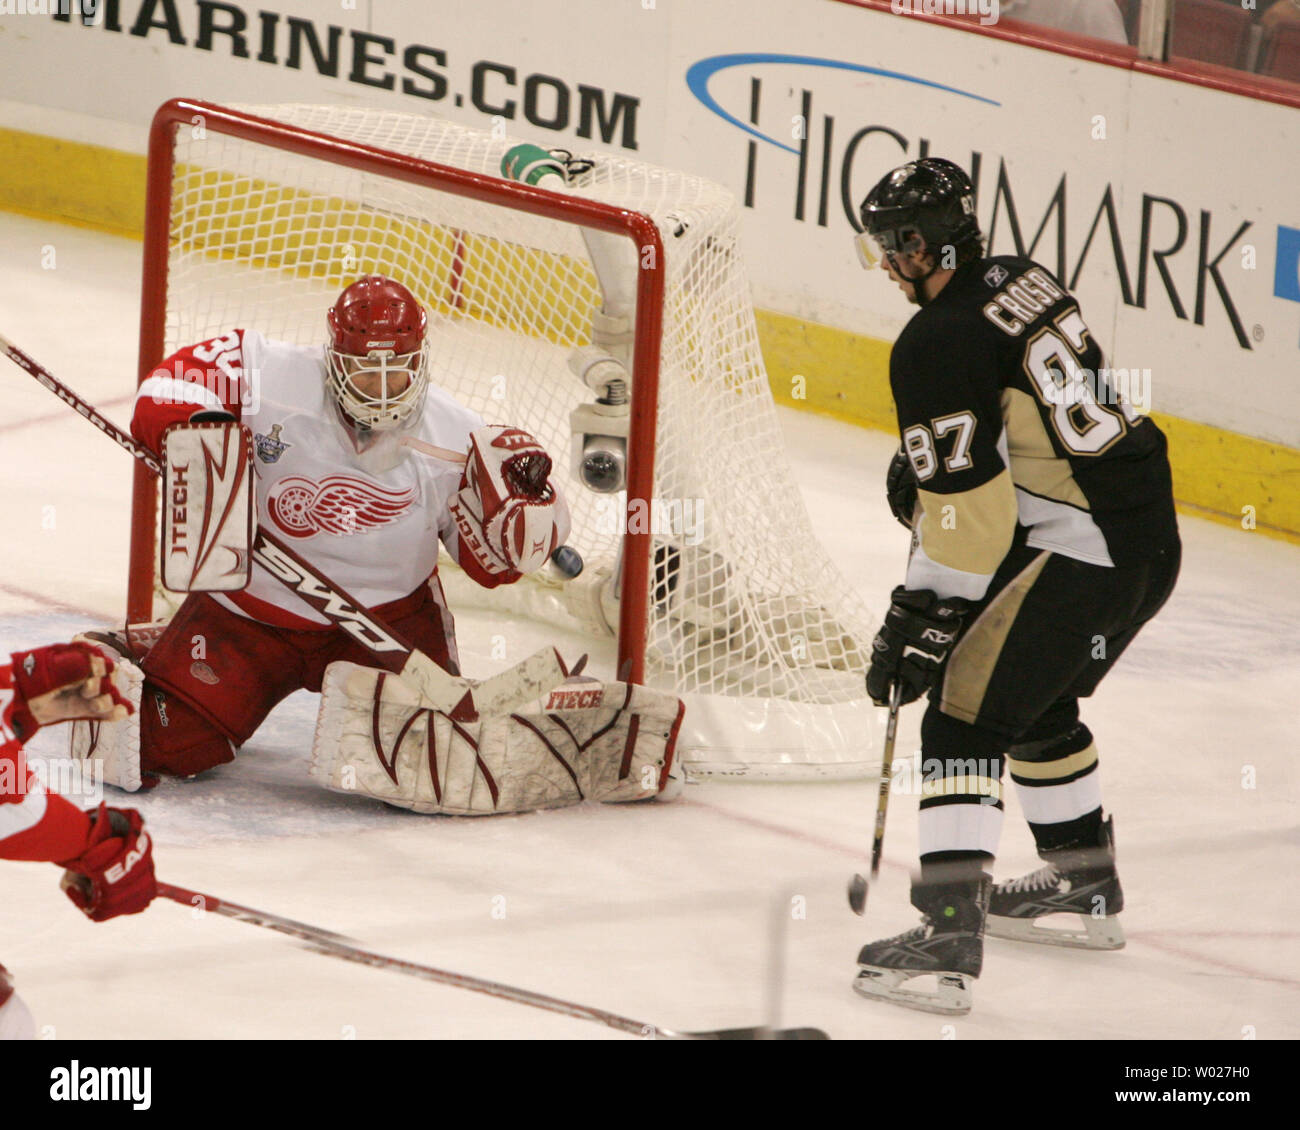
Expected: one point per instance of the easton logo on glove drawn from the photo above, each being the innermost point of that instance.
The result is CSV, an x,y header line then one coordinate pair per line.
x,y
114,874
118,871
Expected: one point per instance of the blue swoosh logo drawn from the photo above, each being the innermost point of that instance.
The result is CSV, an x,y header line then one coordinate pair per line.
x,y
699,74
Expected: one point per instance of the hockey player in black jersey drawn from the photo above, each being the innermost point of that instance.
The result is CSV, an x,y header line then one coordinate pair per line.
x,y
1044,537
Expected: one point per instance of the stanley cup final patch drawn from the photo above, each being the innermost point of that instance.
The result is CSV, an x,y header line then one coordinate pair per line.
x,y
270,447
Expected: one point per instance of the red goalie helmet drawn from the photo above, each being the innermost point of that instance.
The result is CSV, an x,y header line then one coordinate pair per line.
x,y
376,356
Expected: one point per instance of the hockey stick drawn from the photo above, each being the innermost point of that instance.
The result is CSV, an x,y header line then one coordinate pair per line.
x,y
858,885
335,945
448,693
444,453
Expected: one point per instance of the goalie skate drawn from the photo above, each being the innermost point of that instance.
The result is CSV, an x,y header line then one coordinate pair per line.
x,y
1072,901
948,946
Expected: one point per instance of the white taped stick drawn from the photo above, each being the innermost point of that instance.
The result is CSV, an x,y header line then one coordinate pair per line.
x,y
434,450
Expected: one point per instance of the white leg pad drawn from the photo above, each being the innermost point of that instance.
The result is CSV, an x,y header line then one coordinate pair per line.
x,y
584,740
115,745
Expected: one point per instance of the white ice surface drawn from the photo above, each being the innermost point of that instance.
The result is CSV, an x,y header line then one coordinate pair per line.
x,y
663,913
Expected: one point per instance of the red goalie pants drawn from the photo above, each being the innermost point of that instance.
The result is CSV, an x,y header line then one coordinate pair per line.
x,y
213,676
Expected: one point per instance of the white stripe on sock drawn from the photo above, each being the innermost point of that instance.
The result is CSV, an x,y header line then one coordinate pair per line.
x,y
1053,804
960,827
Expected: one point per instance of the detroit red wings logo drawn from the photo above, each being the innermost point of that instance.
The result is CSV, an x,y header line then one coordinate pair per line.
x,y
338,504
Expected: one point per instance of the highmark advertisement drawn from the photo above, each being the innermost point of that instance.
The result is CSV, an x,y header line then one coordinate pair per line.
x,y
1111,180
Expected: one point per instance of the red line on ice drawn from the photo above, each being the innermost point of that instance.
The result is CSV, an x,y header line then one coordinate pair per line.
x,y
1147,937
55,603
858,853
63,414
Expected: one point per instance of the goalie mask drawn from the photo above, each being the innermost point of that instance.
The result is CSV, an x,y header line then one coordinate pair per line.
x,y
376,357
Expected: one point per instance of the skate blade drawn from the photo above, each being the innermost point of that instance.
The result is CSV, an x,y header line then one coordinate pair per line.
x,y
1096,934
952,997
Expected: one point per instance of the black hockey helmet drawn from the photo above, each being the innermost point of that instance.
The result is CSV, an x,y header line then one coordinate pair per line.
x,y
931,197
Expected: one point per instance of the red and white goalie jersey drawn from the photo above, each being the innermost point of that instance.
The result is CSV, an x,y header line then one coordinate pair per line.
x,y
370,519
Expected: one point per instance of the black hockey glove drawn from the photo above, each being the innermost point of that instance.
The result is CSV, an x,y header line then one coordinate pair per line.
x,y
912,644
900,487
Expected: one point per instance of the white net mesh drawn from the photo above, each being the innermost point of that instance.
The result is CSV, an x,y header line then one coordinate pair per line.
x,y
746,609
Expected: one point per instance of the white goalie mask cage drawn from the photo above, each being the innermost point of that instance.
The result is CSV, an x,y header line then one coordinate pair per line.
x,y
380,411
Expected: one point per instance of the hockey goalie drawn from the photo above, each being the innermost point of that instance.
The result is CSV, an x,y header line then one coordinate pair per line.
x,y
364,466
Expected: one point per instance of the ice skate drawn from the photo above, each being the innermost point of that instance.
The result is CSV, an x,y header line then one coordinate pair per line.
x,y
948,946
1073,901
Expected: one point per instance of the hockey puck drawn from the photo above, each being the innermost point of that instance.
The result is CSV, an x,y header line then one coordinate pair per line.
x,y
568,561
858,894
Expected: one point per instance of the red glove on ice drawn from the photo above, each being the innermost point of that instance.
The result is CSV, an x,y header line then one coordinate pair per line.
x,y
114,875
63,681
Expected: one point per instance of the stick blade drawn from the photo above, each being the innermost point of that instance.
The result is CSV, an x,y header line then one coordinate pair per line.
x,y
760,1034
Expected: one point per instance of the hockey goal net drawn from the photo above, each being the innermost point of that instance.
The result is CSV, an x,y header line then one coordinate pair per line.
x,y
703,573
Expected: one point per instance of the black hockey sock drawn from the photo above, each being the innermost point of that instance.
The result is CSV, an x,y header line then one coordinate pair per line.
x,y
1084,831
950,875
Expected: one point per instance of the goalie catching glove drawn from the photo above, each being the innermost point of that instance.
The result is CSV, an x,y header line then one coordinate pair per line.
x,y
510,516
909,649
583,740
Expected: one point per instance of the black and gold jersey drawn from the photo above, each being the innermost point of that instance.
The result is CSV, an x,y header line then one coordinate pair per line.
x,y
1012,419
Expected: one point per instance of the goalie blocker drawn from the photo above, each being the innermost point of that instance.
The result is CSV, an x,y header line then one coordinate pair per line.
x,y
584,740
207,505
